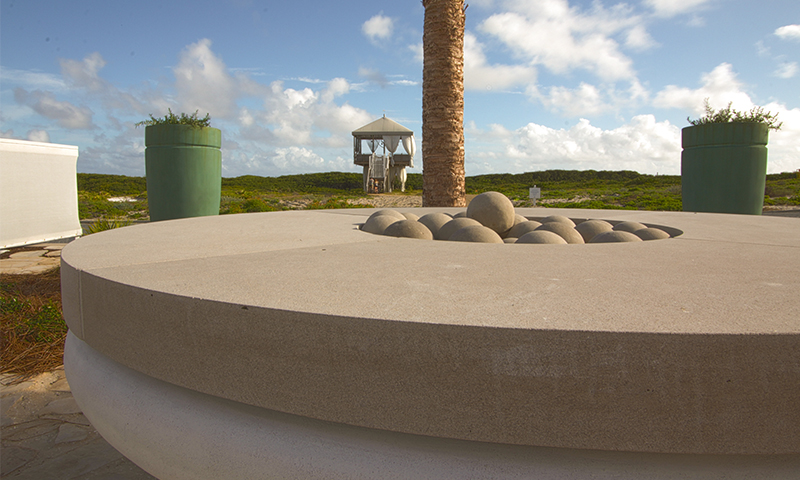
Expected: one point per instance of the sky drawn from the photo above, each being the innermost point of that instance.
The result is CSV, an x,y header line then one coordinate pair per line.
x,y
549,84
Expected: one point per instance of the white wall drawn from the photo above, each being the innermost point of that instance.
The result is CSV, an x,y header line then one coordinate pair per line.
x,y
38,192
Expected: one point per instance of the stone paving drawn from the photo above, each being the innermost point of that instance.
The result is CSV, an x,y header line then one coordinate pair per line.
x,y
45,435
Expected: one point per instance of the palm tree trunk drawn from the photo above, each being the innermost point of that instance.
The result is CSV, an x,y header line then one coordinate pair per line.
x,y
443,104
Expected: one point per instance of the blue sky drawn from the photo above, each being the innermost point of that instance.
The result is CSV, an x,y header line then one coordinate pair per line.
x,y
550,84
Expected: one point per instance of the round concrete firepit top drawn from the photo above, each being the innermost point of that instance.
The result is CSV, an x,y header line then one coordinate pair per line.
x,y
684,344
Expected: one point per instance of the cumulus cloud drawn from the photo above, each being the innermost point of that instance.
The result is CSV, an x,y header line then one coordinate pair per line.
x,y
589,99
720,86
378,28
204,83
788,32
38,136
671,8
84,73
564,38
65,113
479,74
643,145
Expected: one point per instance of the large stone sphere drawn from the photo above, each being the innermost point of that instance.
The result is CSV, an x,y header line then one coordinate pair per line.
x,y
411,216
453,226
461,214
519,218
408,229
522,228
565,231
629,226
434,221
389,212
559,219
377,224
493,210
615,236
542,236
651,233
476,233
590,228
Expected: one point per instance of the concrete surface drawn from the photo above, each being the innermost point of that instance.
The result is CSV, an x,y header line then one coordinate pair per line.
x,y
178,433
683,345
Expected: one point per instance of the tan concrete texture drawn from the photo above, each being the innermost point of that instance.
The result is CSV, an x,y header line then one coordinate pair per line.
x,y
681,345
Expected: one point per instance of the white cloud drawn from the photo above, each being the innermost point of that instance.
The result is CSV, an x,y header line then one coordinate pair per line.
x,y
564,38
643,145
84,74
587,99
788,32
787,70
374,76
720,86
32,79
65,113
478,74
671,8
203,82
378,28
38,136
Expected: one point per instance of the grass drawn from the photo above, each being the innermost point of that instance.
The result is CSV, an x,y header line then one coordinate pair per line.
x,y
33,330
560,189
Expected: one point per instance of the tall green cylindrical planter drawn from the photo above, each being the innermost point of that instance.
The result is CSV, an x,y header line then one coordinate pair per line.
x,y
724,167
183,165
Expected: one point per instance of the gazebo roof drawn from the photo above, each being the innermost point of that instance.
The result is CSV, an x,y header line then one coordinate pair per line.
x,y
383,126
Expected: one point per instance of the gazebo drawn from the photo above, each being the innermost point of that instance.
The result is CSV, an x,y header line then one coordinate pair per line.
x,y
381,164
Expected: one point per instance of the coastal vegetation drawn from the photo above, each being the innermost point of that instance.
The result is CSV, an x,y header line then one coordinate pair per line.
x,y
117,196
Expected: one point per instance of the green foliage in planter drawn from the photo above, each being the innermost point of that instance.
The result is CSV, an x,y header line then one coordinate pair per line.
x,y
729,115
183,119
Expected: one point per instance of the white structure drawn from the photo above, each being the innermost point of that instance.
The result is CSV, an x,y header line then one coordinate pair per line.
x,y
381,168
38,192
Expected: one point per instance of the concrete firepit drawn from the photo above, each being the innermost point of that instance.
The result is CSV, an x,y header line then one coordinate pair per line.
x,y
295,345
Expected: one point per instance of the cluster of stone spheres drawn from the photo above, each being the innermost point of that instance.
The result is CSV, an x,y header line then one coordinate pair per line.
x,y
490,218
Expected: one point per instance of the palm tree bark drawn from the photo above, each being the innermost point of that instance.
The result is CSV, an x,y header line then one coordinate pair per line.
x,y
443,104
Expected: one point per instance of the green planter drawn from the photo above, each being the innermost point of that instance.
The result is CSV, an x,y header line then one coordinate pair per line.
x,y
184,171
724,167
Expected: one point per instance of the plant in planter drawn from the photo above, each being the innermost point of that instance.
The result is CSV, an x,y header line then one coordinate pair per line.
x,y
183,165
724,160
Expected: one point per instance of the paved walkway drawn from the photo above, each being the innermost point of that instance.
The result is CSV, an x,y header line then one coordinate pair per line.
x,y
45,435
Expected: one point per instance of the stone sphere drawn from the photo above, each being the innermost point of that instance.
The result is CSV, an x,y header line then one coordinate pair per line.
x,y
454,225
493,210
565,231
559,219
411,216
629,226
590,228
408,229
389,212
651,234
510,240
615,236
541,236
476,233
519,219
522,228
434,221
377,224
461,214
